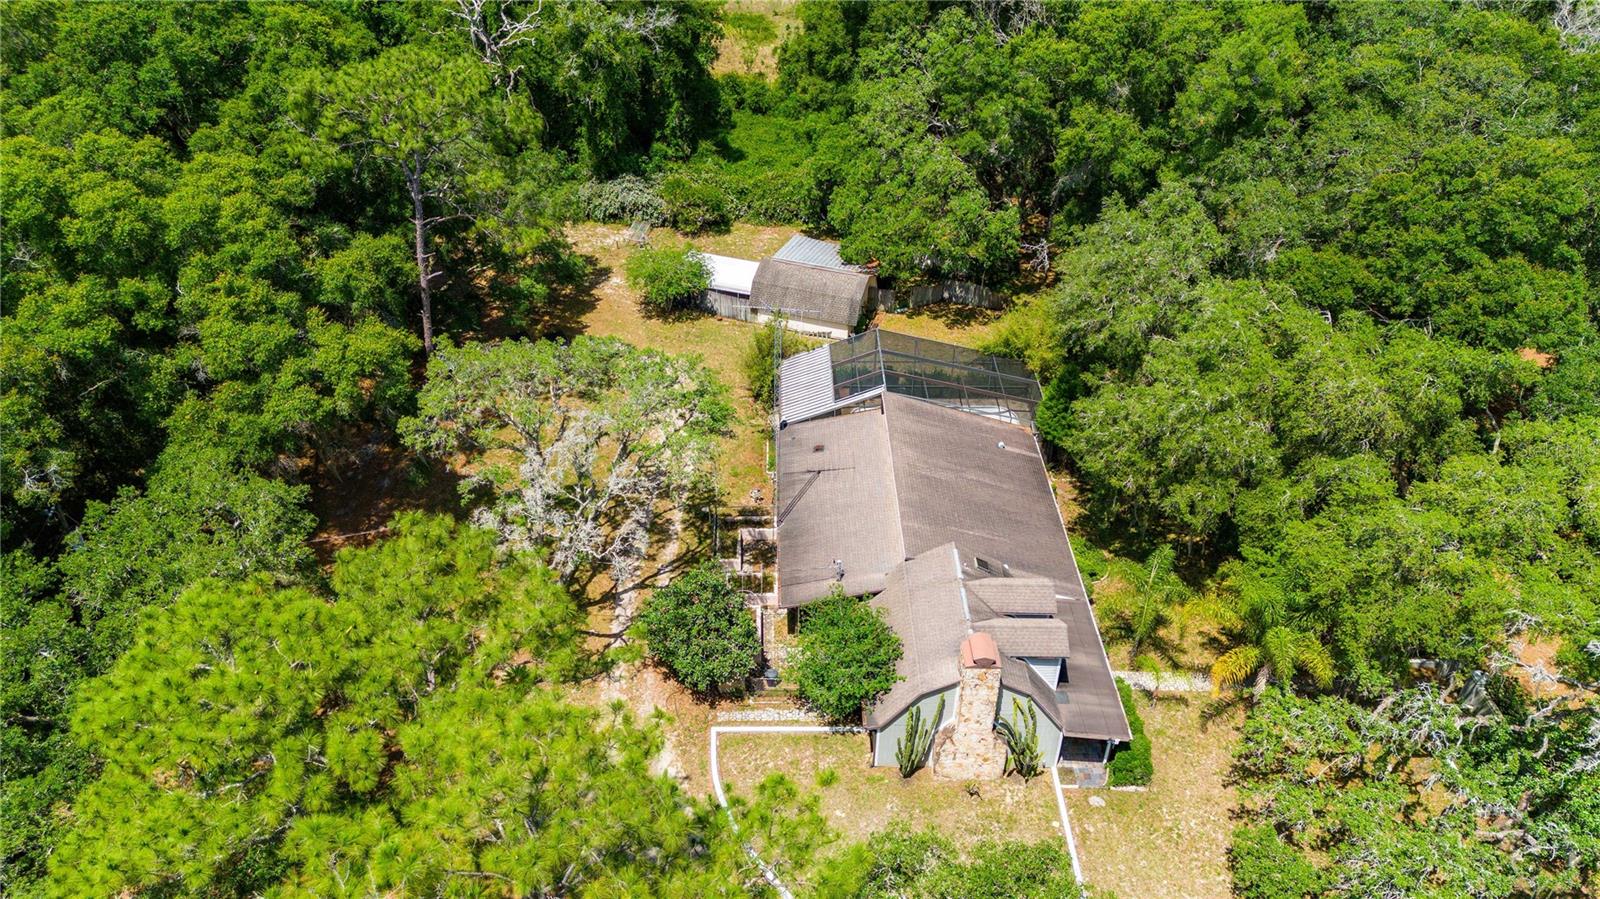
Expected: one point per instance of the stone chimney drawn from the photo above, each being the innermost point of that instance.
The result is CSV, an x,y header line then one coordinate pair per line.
x,y
973,751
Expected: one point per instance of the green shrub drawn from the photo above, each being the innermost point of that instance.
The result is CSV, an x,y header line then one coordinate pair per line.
x,y
1265,867
827,777
750,93
627,199
695,205
764,170
698,627
844,656
1133,765
668,278
759,371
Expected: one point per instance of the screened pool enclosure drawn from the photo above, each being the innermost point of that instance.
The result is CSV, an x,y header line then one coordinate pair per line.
x,y
928,370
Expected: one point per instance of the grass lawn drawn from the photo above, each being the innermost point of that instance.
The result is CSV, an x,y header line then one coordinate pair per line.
x,y
608,307
1172,839
864,800
962,325
752,32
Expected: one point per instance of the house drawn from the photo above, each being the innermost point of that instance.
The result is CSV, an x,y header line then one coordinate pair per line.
x,y
805,282
907,471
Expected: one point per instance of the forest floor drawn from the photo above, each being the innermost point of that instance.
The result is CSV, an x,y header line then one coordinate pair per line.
x,y
961,325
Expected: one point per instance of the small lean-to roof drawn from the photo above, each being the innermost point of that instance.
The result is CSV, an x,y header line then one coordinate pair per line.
x,y
1015,595
1043,638
1020,677
805,386
809,292
731,275
811,251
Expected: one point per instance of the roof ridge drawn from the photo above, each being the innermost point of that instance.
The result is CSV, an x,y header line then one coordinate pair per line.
x,y
894,479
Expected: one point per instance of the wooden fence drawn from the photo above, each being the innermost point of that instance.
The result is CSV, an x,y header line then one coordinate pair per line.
x,y
963,293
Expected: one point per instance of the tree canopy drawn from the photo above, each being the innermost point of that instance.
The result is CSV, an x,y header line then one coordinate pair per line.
x,y
700,628
1311,288
599,432
844,656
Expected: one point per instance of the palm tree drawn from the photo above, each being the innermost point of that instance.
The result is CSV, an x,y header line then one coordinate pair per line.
x,y
1268,647
1138,601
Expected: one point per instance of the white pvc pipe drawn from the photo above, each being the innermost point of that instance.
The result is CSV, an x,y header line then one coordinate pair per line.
x,y
1066,826
767,872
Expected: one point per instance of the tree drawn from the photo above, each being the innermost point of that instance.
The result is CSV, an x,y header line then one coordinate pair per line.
x,y
247,710
694,206
668,278
1269,647
445,137
700,628
1319,778
575,444
1135,602
759,368
844,656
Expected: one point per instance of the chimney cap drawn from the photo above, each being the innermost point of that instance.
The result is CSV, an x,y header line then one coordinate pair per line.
x,y
979,651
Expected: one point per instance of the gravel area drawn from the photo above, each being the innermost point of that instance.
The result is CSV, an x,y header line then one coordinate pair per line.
x,y
769,715
1181,683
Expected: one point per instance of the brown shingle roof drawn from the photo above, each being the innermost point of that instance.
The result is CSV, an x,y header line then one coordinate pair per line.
x,y
836,503
893,485
1013,595
809,292
922,602
1091,708
955,482
1034,637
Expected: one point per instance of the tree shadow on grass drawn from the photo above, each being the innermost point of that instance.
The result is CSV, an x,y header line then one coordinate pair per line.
x,y
955,315
563,317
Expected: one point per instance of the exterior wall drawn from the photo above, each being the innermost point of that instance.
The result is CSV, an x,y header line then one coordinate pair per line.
x,y
887,739
1049,669
1049,734
802,326
727,304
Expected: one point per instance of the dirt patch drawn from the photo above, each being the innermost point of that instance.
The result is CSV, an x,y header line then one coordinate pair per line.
x,y
748,46
1172,839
